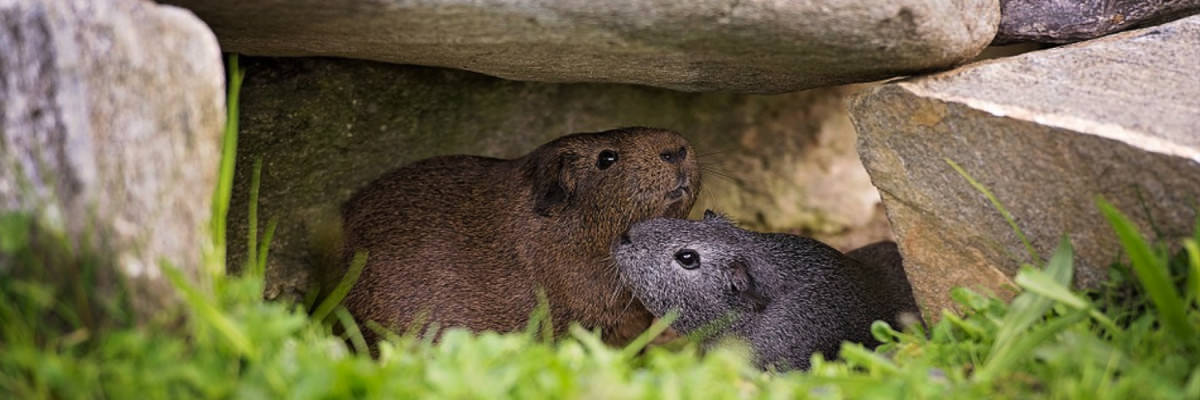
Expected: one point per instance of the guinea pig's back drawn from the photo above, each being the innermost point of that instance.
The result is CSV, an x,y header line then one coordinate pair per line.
x,y
818,303
880,270
436,194
424,226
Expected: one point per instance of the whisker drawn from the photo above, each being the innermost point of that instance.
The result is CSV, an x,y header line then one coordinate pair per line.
x,y
720,175
612,298
708,164
717,173
713,153
613,275
627,304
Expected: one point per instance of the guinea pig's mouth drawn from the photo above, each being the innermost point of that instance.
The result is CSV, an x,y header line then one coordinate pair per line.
x,y
620,241
620,248
678,193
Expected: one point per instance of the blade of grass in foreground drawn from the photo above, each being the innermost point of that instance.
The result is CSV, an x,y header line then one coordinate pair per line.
x,y
339,292
224,188
352,331
856,354
1151,271
540,319
1193,252
1024,346
251,265
207,312
644,339
264,247
1039,282
1029,307
256,251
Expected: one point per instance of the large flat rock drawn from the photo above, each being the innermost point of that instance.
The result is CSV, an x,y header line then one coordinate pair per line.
x,y
1066,21
326,127
693,45
112,116
1046,132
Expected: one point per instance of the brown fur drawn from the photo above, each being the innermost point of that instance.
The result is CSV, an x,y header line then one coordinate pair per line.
x,y
470,240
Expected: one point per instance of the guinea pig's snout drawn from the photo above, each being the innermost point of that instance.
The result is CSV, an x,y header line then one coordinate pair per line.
x,y
681,186
674,155
625,239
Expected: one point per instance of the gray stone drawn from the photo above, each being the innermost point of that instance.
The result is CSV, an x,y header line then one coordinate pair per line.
x,y
112,116
697,45
1046,132
326,127
1065,21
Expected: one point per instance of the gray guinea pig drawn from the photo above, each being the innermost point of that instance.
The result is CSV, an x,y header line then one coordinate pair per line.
x,y
787,296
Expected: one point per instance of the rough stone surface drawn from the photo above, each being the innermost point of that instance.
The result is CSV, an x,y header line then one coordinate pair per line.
x,y
695,45
326,127
1065,21
112,115
1046,132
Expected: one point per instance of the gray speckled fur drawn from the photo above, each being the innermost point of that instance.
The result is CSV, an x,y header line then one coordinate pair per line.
x,y
787,296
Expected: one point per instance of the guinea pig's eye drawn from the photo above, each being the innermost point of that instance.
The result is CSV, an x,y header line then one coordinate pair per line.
x,y
607,159
688,259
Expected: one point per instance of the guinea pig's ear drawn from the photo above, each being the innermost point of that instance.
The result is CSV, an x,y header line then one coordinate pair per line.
x,y
713,216
553,182
743,285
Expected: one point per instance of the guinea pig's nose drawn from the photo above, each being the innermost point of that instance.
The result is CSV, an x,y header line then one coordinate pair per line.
x,y
625,238
674,156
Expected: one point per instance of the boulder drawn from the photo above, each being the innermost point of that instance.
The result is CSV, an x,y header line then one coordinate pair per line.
x,y
112,117
1046,132
326,127
1065,21
757,46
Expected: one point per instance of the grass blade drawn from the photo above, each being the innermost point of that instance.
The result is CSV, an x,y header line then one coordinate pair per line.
x,y
1151,271
969,327
352,331
1061,267
1024,345
856,354
1033,254
206,311
1041,283
539,320
252,219
1029,307
224,190
264,248
655,329
343,287
1193,252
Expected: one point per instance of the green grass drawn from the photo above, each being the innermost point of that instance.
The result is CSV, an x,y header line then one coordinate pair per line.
x,y
1133,339
224,190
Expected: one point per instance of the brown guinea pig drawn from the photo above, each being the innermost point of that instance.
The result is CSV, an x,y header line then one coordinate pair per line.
x,y
465,241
